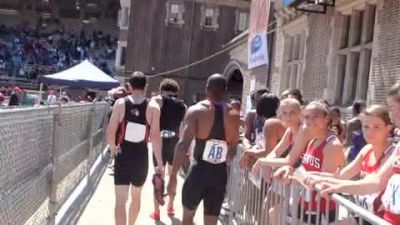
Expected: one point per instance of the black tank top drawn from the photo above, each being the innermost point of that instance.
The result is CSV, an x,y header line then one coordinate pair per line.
x,y
134,113
217,133
172,113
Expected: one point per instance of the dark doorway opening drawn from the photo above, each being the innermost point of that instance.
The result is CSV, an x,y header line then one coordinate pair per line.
x,y
235,85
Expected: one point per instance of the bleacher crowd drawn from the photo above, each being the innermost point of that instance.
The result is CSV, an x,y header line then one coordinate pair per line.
x,y
27,51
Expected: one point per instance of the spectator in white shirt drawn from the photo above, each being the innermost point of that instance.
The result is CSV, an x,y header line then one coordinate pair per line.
x,y
52,98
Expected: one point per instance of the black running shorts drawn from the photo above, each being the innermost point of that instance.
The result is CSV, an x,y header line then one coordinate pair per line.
x,y
168,151
131,165
205,182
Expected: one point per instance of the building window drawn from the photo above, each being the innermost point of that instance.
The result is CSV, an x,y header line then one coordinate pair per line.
x,y
123,17
209,19
242,21
294,59
353,55
175,12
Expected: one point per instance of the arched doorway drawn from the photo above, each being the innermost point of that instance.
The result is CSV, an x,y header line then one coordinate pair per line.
x,y
235,85
234,76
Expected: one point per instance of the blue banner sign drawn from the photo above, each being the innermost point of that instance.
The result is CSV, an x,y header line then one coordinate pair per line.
x,y
288,2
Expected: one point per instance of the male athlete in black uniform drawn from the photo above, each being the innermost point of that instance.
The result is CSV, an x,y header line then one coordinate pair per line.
x,y
215,125
136,117
172,112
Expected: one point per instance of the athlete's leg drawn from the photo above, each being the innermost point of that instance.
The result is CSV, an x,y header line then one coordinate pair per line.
x,y
156,213
135,204
172,196
188,216
210,220
169,149
121,197
213,199
169,168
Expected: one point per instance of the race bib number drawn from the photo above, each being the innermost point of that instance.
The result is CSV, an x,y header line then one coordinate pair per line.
x,y
391,197
167,134
135,132
367,201
215,151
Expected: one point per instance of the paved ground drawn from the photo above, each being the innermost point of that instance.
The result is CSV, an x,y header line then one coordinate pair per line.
x,y
100,209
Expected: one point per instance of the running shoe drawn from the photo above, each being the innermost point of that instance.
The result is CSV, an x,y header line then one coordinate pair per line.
x,y
170,210
155,216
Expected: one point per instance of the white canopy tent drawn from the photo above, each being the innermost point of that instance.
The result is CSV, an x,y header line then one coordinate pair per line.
x,y
82,75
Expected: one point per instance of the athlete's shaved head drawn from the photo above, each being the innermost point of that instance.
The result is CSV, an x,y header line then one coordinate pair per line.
x,y
216,86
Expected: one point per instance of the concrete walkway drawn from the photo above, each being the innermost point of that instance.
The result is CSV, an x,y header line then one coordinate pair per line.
x,y
100,209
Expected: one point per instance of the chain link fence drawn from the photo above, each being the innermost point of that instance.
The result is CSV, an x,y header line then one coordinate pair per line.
x,y
44,153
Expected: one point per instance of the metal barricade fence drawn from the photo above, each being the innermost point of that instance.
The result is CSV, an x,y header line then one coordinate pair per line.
x,y
44,153
275,203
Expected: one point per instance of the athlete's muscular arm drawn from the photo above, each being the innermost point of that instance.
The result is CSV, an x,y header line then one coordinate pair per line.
x,y
153,118
182,147
116,117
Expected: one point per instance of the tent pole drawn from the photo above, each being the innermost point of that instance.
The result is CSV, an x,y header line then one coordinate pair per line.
x,y
41,93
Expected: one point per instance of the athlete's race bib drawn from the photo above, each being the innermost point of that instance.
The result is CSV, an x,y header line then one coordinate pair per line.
x,y
135,132
260,143
215,151
367,201
391,197
167,134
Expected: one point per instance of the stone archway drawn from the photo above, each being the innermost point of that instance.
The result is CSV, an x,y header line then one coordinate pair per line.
x,y
234,75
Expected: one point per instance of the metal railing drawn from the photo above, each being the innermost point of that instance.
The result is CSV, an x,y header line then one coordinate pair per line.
x,y
44,153
253,201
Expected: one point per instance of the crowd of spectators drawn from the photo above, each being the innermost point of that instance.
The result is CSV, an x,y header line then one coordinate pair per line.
x,y
28,51
15,96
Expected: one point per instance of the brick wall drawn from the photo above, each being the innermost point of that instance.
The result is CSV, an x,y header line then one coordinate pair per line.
x,y
317,49
277,59
246,92
385,68
385,64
